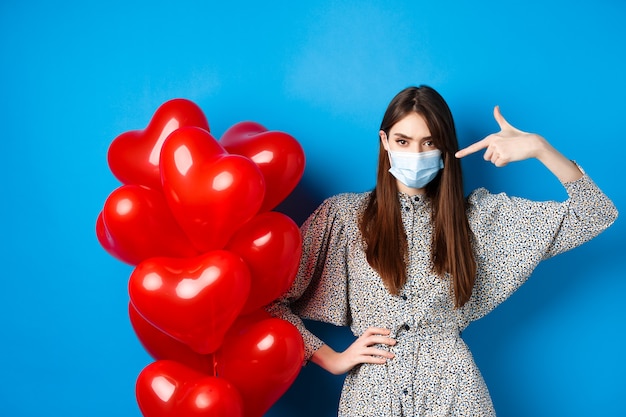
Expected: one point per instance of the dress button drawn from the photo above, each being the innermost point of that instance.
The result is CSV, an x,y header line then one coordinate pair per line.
x,y
405,391
407,208
406,327
404,297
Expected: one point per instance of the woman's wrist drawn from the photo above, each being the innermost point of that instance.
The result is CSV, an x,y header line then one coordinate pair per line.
x,y
564,169
326,358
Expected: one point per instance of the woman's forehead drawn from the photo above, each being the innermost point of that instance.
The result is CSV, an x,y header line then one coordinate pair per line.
x,y
411,126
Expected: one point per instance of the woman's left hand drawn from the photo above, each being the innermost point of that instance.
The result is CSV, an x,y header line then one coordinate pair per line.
x,y
508,145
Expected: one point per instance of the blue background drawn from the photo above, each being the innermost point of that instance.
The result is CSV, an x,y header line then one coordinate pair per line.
x,y
74,75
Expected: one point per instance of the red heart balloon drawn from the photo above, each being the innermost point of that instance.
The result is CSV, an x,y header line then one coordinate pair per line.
x,y
193,300
136,224
105,239
261,359
271,246
211,193
133,156
278,155
161,346
170,389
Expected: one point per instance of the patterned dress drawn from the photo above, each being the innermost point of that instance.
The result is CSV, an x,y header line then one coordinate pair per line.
x,y
433,372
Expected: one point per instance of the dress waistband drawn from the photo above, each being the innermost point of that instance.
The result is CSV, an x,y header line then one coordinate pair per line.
x,y
421,332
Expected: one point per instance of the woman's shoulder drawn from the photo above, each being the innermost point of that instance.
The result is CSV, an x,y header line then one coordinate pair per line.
x,y
345,205
482,201
348,199
500,209
483,197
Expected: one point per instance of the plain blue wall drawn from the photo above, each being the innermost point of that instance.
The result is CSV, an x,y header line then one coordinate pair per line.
x,y
74,75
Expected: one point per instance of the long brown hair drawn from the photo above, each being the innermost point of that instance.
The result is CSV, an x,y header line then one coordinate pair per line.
x,y
381,223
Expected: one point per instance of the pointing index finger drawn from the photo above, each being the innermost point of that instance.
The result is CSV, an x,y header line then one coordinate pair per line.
x,y
474,147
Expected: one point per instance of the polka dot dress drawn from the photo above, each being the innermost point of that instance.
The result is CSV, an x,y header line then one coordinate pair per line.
x,y
433,372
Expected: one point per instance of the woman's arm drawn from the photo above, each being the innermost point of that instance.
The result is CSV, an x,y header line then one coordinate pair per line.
x,y
512,235
320,289
512,144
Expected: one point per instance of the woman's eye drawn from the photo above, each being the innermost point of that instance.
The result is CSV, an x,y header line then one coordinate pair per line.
x,y
401,142
429,143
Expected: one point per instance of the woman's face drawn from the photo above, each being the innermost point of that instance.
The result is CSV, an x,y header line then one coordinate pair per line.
x,y
409,134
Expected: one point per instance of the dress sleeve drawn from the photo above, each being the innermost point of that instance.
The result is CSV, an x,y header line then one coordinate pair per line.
x,y
320,288
512,235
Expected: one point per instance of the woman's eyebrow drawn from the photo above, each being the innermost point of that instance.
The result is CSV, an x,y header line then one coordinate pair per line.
x,y
403,136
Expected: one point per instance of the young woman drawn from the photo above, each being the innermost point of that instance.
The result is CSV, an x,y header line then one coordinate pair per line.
x,y
410,264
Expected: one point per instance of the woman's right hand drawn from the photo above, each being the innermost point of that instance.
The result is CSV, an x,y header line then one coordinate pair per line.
x,y
361,351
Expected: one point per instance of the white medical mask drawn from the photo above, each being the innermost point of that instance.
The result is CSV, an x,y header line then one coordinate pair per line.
x,y
415,169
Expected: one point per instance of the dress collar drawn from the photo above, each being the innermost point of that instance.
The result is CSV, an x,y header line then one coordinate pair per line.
x,y
416,201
